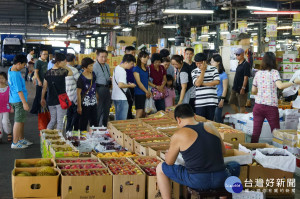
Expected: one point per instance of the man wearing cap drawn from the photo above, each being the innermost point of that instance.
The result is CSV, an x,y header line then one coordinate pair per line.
x,y
238,97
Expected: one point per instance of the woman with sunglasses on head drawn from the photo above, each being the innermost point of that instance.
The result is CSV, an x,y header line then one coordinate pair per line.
x,y
265,84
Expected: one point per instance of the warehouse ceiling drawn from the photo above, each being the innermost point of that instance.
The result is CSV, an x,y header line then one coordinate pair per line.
x,y
31,16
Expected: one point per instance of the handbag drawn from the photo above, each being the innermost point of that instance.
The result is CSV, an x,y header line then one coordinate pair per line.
x,y
63,99
157,95
127,93
43,119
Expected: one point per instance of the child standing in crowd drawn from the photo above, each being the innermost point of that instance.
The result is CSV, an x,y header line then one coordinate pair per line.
x,y
55,84
86,95
18,100
170,92
5,125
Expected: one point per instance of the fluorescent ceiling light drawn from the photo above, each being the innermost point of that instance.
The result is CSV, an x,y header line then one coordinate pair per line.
x,y
82,41
171,26
60,22
117,27
250,24
103,33
223,33
95,32
141,23
171,39
212,33
253,34
281,41
204,36
184,11
52,27
126,29
88,36
284,27
98,1
286,33
276,12
297,36
261,8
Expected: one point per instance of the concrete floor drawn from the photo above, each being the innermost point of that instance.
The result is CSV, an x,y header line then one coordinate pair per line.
x,y
8,156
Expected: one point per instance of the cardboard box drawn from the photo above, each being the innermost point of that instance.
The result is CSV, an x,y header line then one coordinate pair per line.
x,y
238,156
109,48
169,132
243,173
77,187
296,66
32,162
259,172
141,146
114,61
251,147
24,186
288,67
233,138
41,198
63,154
155,151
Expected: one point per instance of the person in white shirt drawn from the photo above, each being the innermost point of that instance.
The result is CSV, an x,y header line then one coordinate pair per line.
x,y
29,59
120,92
71,89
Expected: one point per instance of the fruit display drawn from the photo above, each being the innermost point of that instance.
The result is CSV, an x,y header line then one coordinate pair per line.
x,y
149,136
156,119
50,137
115,161
146,161
150,171
142,132
81,166
125,169
86,173
154,141
24,173
228,130
64,148
34,163
46,171
58,142
116,154
160,145
76,160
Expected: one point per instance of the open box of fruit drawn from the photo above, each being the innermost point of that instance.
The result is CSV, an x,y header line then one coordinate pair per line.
x,y
168,131
141,146
37,162
76,160
58,151
146,160
232,136
155,151
115,161
85,172
35,182
115,154
156,119
66,166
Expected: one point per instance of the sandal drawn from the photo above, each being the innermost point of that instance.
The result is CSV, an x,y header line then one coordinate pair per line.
x,y
9,137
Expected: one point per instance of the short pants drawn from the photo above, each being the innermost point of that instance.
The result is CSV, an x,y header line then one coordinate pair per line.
x,y
238,99
20,113
139,101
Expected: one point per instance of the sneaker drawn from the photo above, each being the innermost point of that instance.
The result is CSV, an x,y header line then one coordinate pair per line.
x,y
18,146
25,142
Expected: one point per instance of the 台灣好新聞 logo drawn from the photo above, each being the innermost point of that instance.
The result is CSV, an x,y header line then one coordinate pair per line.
x,y
233,185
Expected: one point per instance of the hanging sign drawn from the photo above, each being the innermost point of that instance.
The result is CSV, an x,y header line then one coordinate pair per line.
x,y
109,19
242,26
223,29
296,25
193,34
204,30
271,27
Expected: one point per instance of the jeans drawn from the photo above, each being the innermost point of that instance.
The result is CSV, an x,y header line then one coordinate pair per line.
x,y
103,105
206,111
201,181
89,114
73,118
218,114
26,73
36,105
57,117
260,112
160,104
121,107
129,114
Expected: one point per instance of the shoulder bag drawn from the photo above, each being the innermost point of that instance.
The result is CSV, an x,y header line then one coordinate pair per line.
x,y
63,98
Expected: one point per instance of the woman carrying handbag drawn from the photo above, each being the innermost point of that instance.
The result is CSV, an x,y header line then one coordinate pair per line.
x,y
57,99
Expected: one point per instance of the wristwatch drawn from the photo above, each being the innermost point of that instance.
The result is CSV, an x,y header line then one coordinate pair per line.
x,y
243,88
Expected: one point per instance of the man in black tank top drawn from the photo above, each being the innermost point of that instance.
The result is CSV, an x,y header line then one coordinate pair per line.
x,y
202,149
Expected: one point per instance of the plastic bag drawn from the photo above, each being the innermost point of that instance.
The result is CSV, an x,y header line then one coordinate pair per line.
x,y
150,106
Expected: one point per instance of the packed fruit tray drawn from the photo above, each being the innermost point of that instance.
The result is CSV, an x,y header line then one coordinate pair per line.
x,y
37,162
115,154
85,172
146,160
76,160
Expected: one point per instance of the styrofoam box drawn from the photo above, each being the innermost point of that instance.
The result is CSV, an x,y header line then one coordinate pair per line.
x,y
288,67
249,195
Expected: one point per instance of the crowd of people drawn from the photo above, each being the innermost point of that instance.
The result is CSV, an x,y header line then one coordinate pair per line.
x,y
84,94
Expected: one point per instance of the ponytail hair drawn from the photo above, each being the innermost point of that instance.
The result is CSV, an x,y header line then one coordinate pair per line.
x,y
218,58
59,57
177,58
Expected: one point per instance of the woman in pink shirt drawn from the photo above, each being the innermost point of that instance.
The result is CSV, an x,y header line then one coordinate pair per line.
x,y
265,84
5,108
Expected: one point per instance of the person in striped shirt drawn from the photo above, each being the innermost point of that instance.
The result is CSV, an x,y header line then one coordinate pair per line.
x,y
205,78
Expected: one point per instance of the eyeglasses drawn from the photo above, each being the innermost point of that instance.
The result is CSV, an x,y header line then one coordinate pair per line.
x,y
44,54
237,54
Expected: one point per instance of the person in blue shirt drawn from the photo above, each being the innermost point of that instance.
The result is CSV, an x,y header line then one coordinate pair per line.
x,y
222,88
141,78
50,64
18,100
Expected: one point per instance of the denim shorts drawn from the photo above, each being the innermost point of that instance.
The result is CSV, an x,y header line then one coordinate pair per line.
x,y
199,181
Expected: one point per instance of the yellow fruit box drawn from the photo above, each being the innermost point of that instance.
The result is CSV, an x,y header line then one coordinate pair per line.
x,y
32,162
62,154
34,186
232,136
